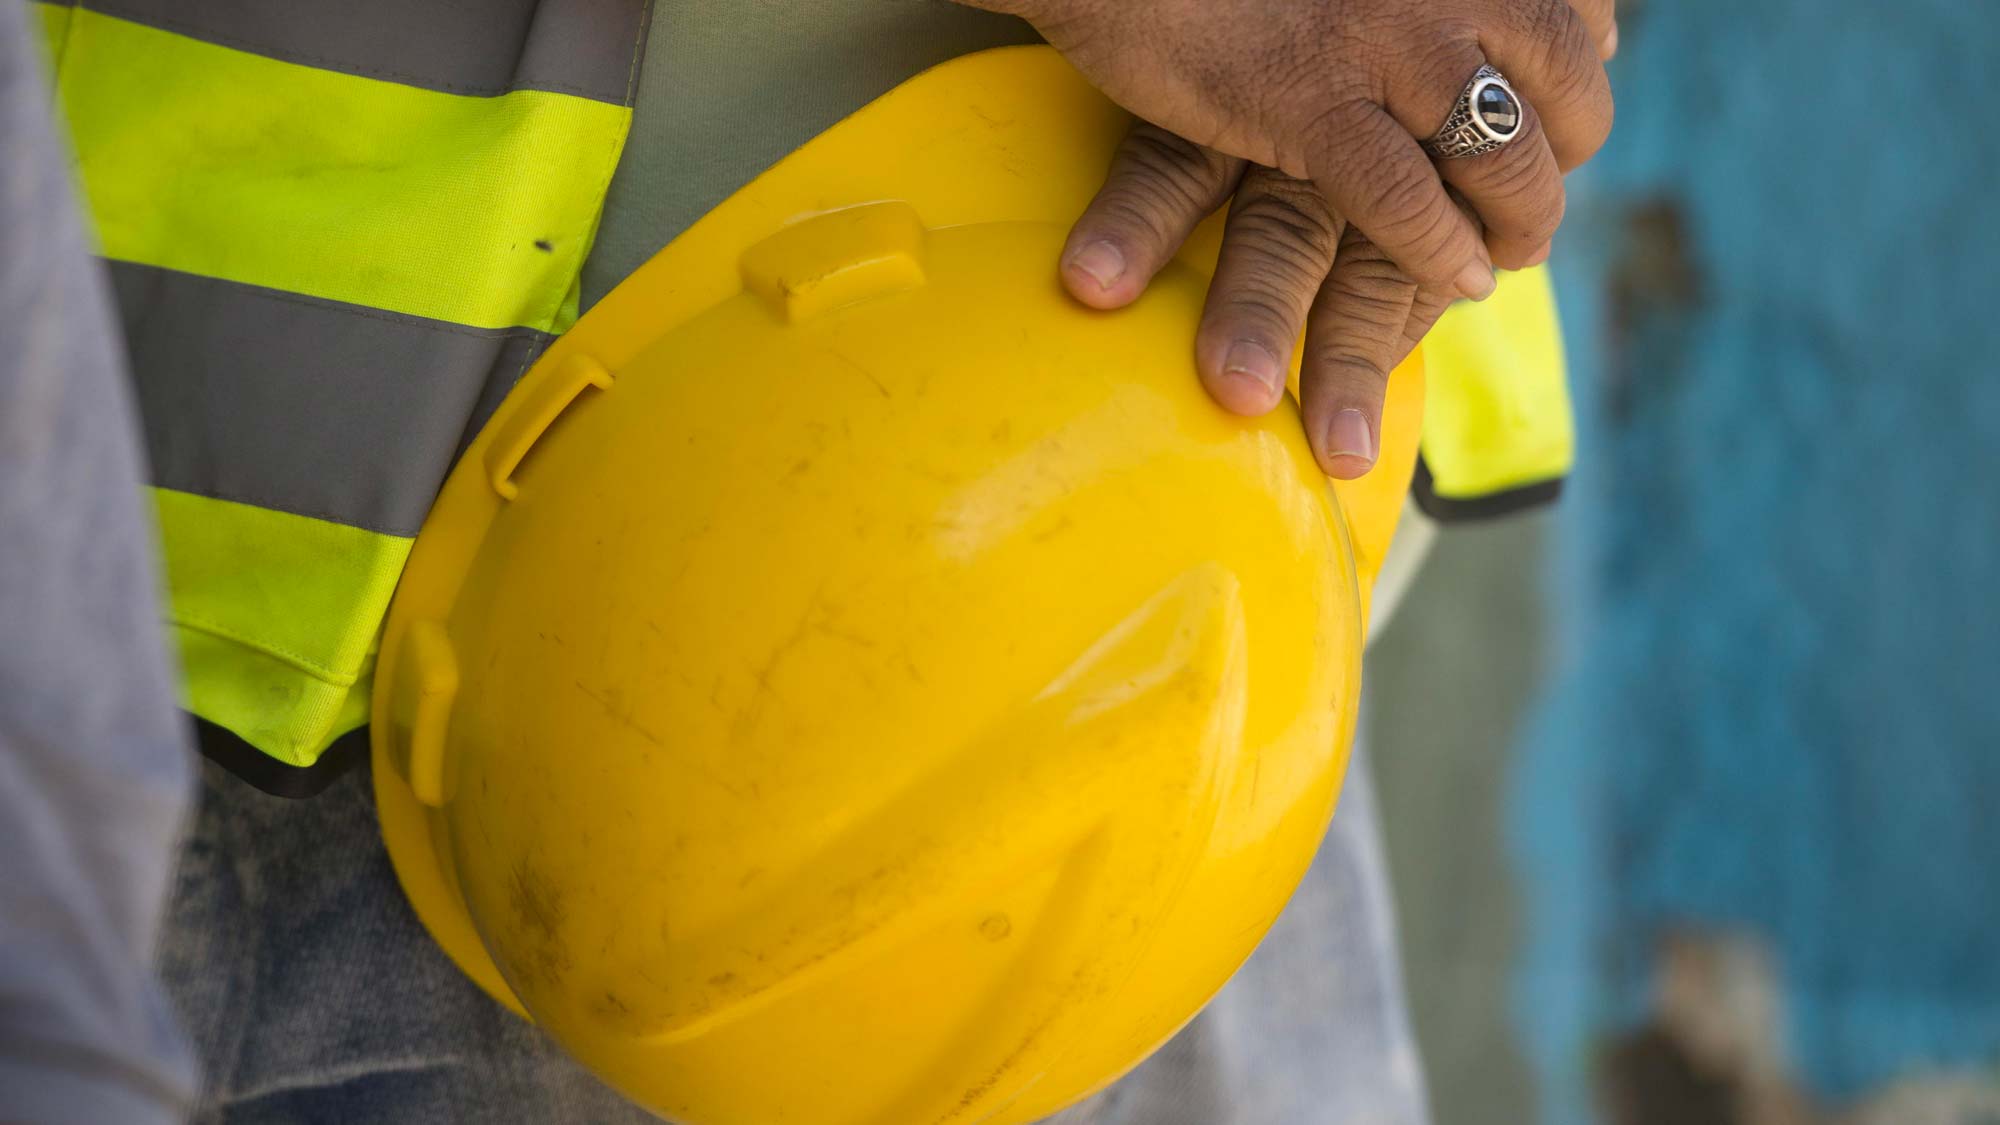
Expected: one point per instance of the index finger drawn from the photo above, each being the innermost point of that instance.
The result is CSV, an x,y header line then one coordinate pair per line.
x,y
1160,187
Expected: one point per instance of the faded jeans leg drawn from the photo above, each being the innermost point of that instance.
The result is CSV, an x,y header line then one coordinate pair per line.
x,y
315,995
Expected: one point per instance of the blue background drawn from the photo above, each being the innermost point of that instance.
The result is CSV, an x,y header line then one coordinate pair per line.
x,y
1777,705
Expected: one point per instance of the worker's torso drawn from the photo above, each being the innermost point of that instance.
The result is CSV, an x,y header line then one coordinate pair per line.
x,y
339,233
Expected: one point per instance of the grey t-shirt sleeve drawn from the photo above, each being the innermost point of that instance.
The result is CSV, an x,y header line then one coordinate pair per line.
x,y
727,90
95,771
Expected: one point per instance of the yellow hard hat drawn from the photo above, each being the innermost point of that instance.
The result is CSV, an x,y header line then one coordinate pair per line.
x,y
850,683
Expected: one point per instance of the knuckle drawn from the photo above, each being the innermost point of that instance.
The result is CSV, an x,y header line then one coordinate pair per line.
x,y
1362,263
1172,157
1253,310
1424,313
1549,21
1428,305
1529,197
1294,225
1348,374
1568,59
1132,210
1282,267
1442,66
1371,278
1511,173
1356,246
1554,24
1405,207
1400,197
1373,303
1161,182
1354,367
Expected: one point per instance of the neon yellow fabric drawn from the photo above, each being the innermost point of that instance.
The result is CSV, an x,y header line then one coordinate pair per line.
x,y
1498,414
217,162
277,617
226,164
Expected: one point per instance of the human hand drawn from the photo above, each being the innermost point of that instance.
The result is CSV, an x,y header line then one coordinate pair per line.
x,y
1287,265
1311,115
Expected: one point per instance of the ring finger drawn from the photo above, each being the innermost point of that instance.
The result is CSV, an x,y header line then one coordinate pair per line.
x,y
1515,190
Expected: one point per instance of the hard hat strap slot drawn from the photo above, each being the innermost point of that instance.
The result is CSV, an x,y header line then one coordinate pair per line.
x,y
529,413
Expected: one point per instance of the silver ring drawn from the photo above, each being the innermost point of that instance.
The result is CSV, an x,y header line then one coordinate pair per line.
x,y
1488,116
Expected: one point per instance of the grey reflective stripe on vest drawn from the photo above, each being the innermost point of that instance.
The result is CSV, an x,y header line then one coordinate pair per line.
x,y
476,47
309,406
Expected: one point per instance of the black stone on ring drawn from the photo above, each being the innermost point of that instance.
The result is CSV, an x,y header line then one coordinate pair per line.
x,y
1487,116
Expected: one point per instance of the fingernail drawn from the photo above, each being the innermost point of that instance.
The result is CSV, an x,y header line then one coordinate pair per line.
x,y
1348,435
1609,47
1102,261
1476,281
1253,360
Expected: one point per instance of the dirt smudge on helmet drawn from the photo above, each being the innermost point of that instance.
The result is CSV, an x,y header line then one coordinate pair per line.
x,y
537,905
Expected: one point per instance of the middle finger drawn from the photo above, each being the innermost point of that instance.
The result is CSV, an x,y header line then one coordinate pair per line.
x,y
1276,249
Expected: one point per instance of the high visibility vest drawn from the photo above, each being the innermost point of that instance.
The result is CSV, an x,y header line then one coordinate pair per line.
x,y
1498,432
338,233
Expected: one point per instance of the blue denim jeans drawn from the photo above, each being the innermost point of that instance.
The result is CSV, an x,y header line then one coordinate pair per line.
x,y
314,994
